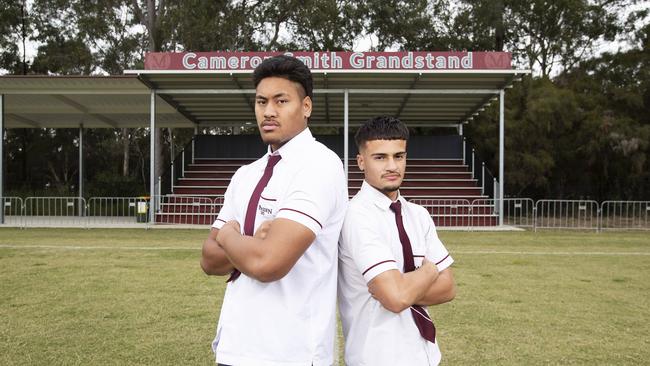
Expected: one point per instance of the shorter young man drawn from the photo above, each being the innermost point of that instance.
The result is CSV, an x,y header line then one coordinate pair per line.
x,y
391,262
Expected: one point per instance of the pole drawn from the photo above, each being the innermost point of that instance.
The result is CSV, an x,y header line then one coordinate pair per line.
x,y
171,153
152,155
346,125
81,168
501,155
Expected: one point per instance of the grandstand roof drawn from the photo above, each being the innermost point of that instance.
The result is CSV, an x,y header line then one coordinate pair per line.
x,y
225,98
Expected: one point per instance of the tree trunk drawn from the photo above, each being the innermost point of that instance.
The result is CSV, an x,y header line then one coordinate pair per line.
x,y
499,34
126,143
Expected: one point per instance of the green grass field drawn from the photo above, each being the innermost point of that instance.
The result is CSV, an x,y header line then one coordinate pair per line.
x,y
136,297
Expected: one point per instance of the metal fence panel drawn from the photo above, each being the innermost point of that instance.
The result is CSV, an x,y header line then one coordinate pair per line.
x,y
122,211
218,204
185,210
567,214
448,212
460,213
625,215
13,210
519,212
54,211
484,212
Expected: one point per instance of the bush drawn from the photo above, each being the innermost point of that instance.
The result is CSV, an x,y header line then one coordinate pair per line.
x,y
110,185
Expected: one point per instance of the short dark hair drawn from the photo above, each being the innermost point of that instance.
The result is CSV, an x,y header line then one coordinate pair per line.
x,y
285,67
381,128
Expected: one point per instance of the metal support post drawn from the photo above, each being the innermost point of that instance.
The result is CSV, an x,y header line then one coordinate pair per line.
x,y
464,147
495,190
501,154
183,161
346,126
81,168
193,140
152,155
171,153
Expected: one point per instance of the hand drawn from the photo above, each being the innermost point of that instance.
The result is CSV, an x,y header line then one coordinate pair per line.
x,y
430,266
235,225
263,230
227,229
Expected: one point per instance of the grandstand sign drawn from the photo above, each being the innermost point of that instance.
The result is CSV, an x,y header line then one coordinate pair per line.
x,y
332,60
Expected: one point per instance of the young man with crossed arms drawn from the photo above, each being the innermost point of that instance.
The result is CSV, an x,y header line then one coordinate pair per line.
x,y
279,308
391,263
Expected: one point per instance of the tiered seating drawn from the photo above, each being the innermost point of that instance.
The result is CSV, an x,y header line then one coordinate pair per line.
x,y
443,186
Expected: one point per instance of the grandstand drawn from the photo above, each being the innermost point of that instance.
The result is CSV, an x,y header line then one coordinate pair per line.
x,y
437,177
173,91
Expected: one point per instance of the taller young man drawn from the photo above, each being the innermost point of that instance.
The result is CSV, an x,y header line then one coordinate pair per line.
x,y
280,302
391,263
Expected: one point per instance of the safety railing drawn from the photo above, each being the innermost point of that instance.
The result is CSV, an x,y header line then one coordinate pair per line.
x,y
625,215
176,168
112,211
185,210
12,210
567,214
448,212
54,211
519,212
476,166
457,213
218,204
484,212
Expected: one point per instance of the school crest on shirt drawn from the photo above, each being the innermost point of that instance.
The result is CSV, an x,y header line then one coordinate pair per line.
x,y
265,211
266,207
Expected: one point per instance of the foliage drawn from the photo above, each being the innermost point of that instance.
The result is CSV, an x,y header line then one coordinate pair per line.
x,y
580,127
585,134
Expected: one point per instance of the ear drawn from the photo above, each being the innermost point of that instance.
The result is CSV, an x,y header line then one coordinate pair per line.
x,y
306,107
360,162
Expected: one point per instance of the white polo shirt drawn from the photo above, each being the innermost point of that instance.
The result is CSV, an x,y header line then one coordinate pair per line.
x,y
370,245
291,321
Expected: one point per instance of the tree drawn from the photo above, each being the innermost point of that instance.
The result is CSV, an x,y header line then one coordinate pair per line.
x,y
14,27
331,25
410,25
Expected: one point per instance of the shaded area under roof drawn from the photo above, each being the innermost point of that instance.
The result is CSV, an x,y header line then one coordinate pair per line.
x,y
91,101
217,98
430,98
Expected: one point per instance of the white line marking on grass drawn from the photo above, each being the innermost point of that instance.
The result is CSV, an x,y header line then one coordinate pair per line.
x,y
501,252
77,247
547,253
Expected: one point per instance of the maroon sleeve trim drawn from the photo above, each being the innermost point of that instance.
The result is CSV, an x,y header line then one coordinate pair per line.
x,y
300,212
375,265
267,199
442,260
222,221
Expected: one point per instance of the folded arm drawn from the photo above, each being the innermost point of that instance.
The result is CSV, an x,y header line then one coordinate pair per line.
x,y
442,290
213,259
397,291
266,258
